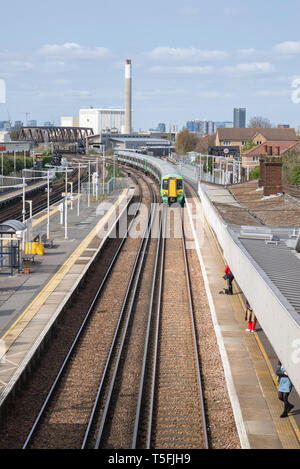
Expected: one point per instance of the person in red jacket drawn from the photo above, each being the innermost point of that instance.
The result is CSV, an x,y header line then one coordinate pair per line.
x,y
228,275
250,317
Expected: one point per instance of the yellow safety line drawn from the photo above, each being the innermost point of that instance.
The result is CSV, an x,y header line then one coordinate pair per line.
x,y
243,304
82,246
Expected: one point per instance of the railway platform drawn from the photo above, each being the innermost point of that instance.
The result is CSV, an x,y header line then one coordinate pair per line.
x,y
30,304
248,358
14,194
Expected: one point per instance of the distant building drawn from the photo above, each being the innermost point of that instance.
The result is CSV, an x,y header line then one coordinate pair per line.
x,y
4,136
193,126
102,120
69,121
224,125
18,124
5,125
201,126
48,124
283,126
161,127
239,117
173,128
32,123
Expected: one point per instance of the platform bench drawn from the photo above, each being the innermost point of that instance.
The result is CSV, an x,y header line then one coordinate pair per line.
x,y
28,257
48,243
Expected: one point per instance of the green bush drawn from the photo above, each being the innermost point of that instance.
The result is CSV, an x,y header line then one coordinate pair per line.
x,y
295,175
255,173
46,160
8,163
110,172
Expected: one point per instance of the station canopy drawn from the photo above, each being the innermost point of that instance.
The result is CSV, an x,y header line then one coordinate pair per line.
x,y
11,227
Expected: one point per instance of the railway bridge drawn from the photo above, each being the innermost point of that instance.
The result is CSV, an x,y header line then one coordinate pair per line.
x,y
55,134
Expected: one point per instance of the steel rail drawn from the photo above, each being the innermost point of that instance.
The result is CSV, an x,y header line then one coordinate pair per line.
x,y
136,273
155,329
160,247
193,330
79,333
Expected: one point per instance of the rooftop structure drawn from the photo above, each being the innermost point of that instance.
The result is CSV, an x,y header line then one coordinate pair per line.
x,y
102,120
241,136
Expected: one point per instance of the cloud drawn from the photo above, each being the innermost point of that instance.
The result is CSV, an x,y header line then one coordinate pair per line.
x,y
246,52
148,95
61,81
213,94
12,67
185,69
73,50
59,94
190,11
183,54
20,65
288,47
252,67
272,93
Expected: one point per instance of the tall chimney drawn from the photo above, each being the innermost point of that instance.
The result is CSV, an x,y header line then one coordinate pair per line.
x,y
128,127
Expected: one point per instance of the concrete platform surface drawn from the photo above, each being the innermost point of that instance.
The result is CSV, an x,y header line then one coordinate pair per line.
x,y
29,304
251,386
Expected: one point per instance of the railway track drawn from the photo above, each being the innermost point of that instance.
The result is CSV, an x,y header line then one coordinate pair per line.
x,y
170,411
131,376
78,370
39,202
149,392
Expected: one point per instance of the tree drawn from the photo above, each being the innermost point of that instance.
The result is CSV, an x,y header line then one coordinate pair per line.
x,y
259,122
185,142
250,144
204,142
295,176
254,174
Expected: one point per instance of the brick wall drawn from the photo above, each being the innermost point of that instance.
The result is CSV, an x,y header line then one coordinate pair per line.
x,y
262,172
273,175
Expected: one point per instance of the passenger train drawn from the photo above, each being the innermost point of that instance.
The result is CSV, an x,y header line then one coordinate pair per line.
x,y
171,182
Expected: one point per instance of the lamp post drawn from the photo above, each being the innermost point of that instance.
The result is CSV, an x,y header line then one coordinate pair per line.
x,y
78,201
114,170
48,204
89,183
71,184
30,208
97,179
66,204
23,210
103,172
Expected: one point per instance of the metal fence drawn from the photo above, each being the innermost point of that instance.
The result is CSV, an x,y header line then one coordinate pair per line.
x,y
217,173
96,190
13,182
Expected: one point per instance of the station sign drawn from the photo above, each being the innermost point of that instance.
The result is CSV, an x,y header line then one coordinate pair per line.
x,y
69,195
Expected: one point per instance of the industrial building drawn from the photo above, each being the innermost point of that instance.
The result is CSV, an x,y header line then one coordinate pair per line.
x,y
102,120
69,121
155,145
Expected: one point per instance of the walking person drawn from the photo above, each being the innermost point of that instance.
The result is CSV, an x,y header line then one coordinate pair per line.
x,y
250,317
284,389
228,275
